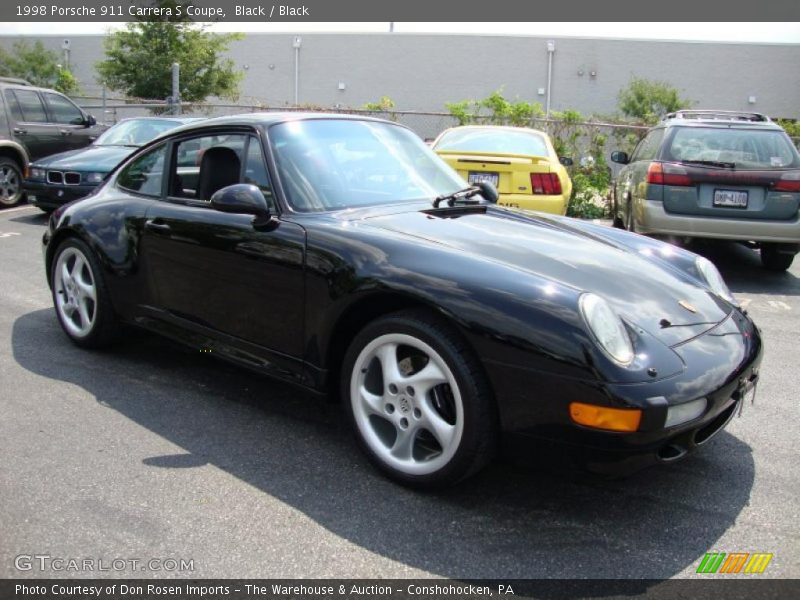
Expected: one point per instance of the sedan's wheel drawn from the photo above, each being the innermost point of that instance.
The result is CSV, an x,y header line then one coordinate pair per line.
x,y
773,259
10,182
80,297
418,401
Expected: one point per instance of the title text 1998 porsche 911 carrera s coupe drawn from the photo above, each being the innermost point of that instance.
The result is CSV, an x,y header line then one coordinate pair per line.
x,y
341,254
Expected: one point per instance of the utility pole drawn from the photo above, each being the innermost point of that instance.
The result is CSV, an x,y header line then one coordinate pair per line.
x,y
176,89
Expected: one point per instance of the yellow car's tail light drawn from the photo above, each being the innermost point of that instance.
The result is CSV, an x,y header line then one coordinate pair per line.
x,y
545,183
602,417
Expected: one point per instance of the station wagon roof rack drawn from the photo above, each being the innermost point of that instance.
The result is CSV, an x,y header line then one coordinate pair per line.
x,y
721,115
16,80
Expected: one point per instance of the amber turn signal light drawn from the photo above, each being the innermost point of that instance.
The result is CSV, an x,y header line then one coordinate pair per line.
x,y
602,417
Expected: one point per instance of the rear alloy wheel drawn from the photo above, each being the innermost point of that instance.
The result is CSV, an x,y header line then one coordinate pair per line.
x,y
418,401
773,259
80,296
10,182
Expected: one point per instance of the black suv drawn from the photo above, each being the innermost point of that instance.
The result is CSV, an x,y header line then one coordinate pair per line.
x,y
714,174
36,122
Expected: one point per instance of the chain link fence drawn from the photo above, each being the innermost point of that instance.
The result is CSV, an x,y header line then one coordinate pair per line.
x,y
427,125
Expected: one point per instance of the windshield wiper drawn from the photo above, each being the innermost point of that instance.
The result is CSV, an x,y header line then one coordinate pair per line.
x,y
710,163
460,195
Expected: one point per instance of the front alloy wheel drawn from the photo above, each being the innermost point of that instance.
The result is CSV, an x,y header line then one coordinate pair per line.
x,y
419,406
80,297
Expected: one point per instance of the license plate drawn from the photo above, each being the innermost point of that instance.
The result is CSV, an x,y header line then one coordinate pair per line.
x,y
730,198
477,177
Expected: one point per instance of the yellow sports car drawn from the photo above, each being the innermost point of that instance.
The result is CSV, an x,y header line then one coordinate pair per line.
x,y
520,162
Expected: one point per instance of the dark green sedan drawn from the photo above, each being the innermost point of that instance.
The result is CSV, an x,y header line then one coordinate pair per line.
x,y
60,178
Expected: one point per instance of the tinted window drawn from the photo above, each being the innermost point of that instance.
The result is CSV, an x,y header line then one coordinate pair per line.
x,y
144,174
746,148
648,147
206,164
63,111
13,106
503,141
31,105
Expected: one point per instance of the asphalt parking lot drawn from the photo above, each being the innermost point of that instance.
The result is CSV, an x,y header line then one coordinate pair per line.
x,y
153,451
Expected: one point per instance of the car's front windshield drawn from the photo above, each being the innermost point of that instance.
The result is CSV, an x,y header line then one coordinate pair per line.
x,y
331,164
743,148
135,132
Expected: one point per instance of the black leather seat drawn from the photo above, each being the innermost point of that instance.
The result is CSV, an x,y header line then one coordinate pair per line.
x,y
219,167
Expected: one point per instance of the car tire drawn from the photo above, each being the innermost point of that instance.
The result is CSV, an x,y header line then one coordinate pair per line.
x,y
630,220
616,220
80,296
773,259
10,182
418,401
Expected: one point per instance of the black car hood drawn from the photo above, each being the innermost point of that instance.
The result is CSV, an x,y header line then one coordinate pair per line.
x,y
100,159
644,290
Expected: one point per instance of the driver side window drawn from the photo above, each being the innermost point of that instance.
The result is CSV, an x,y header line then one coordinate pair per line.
x,y
203,165
145,174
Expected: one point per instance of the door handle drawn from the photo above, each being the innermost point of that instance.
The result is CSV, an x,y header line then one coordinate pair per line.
x,y
19,131
65,132
157,226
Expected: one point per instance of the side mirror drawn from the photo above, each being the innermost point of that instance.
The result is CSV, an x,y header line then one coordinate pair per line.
x,y
488,191
620,157
242,199
565,160
90,121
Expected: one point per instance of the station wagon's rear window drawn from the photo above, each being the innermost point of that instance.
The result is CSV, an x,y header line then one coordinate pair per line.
x,y
745,148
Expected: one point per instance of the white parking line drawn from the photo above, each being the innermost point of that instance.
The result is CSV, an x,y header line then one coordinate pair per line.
x,y
8,234
779,304
5,211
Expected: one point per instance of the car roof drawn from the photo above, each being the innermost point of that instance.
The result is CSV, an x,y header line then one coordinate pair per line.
x,y
723,118
270,118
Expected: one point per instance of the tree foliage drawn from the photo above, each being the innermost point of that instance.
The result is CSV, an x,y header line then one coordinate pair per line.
x,y
139,59
383,105
38,65
648,100
495,109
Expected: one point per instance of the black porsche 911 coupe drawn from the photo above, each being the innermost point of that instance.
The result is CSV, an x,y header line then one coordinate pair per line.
x,y
341,254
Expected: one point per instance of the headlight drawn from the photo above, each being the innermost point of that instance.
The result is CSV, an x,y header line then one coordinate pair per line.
x,y
93,177
714,279
36,173
607,328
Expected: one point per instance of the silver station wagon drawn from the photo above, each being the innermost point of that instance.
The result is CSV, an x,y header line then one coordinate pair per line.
x,y
718,175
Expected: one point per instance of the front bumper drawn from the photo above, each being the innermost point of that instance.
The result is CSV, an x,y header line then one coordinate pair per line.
x,y
49,196
652,218
718,366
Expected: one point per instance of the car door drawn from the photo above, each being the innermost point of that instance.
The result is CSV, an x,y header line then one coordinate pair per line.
x,y
632,181
72,123
30,126
215,272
